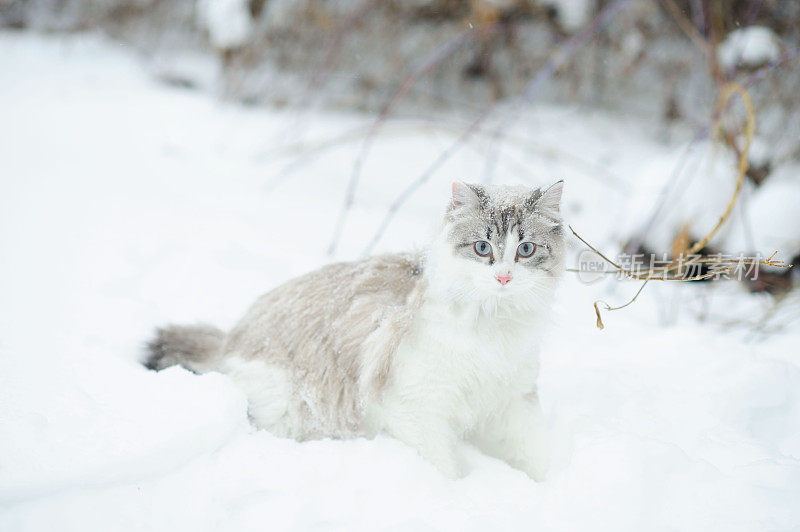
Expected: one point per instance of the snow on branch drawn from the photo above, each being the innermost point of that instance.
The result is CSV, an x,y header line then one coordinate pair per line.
x,y
672,271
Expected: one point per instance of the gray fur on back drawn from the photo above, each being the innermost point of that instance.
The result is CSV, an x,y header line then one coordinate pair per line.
x,y
317,327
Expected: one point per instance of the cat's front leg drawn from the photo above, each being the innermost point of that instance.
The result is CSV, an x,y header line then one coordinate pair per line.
x,y
518,435
433,439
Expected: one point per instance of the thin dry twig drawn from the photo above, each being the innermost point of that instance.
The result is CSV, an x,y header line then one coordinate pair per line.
x,y
686,25
664,273
701,134
609,307
667,272
556,61
750,129
438,56
312,93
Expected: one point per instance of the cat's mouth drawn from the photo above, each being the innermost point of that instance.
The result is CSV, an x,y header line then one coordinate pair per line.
x,y
504,289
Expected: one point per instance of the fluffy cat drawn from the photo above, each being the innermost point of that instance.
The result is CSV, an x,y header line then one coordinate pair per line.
x,y
432,349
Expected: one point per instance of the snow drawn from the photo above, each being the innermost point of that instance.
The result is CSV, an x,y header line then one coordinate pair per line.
x,y
760,152
752,47
228,21
700,182
774,217
126,204
572,14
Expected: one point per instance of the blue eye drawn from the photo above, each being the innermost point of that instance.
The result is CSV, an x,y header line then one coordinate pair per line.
x,y
483,248
526,249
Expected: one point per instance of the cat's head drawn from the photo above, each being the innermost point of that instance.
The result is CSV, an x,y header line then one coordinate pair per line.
x,y
504,240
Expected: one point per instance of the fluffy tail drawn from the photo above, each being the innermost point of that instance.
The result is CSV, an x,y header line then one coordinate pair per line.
x,y
194,347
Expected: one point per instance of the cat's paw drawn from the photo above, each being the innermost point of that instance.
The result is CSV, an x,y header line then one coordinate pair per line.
x,y
439,447
535,458
453,471
448,465
536,469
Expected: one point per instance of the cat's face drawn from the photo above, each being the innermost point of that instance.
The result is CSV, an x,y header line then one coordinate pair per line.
x,y
505,240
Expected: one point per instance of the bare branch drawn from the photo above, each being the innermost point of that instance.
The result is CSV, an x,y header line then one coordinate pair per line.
x,y
439,55
556,61
665,273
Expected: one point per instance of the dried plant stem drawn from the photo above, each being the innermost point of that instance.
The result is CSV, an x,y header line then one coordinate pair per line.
x,y
686,25
727,91
556,61
666,273
703,133
609,307
421,180
437,57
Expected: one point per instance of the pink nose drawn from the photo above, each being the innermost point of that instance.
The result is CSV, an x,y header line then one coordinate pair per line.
x,y
503,279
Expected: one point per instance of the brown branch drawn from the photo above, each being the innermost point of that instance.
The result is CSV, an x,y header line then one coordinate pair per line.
x,y
686,25
555,62
441,53
664,273
727,91
609,307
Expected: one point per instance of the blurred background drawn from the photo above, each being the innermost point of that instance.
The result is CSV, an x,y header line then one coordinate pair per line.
x,y
661,60
472,68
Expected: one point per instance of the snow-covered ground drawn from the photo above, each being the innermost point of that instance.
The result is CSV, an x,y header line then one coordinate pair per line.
x,y
125,204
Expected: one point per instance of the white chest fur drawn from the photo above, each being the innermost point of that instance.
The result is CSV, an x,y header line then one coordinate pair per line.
x,y
461,363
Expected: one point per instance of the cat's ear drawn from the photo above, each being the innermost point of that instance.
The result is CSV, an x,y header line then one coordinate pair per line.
x,y
550,200
464,195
